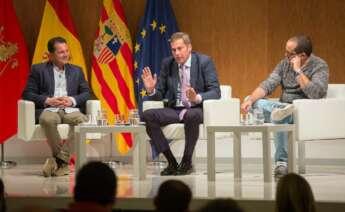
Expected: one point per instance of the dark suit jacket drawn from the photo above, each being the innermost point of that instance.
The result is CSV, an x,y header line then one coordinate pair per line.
x,y
40,85
203,79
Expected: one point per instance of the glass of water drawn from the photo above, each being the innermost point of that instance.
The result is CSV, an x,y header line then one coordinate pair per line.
x,y
134,117
259,117
91,120
102,119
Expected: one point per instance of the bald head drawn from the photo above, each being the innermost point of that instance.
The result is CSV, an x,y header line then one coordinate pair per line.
x,y
301,44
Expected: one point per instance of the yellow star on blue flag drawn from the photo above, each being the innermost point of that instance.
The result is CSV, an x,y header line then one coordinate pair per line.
x,y
152,44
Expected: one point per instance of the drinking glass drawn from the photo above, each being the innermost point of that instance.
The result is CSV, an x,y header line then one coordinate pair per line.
x,y
259,117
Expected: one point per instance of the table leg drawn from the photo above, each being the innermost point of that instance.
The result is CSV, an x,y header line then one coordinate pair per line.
x,y
238,189
237,155
211,156
291,152
267,161
80,150
211,189
139,157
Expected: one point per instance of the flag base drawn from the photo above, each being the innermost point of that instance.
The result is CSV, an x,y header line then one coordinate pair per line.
x,y
159,163
7,164
113,163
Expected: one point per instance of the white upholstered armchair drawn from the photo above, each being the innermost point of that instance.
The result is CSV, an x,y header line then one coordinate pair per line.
x,y
224,111
319,119
28,130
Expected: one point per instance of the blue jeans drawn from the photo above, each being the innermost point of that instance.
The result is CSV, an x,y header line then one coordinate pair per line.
x,y
280,138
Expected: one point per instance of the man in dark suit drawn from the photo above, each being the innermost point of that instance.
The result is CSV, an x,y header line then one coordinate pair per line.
x,y
59,91
186,80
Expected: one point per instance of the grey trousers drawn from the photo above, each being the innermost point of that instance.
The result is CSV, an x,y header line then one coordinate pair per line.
x,y
49,121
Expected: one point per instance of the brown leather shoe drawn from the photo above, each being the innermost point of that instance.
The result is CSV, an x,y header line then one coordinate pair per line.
x,y
62,170
49,167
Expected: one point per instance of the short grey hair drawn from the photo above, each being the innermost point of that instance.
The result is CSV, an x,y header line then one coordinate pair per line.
x,y
304,44
180,35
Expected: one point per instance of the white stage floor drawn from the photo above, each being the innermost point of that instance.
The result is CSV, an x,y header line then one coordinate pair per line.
x,y
25,184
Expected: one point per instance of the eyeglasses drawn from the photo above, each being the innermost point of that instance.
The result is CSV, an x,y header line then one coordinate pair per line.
x,y
290,55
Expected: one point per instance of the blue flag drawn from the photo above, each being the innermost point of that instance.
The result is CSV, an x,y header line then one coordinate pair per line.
x,y
152,44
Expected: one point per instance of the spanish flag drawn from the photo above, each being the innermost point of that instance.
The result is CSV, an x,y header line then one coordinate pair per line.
x,y
112,67
57,21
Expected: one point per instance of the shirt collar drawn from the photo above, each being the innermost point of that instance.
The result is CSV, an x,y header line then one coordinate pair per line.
x,y
55,68
188,62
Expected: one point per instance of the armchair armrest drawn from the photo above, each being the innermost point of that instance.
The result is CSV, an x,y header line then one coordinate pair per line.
x,y
221,112
319,119
92,106
26,119
152,105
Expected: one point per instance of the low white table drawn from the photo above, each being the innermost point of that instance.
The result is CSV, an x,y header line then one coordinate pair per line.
x,y
139,144
265,129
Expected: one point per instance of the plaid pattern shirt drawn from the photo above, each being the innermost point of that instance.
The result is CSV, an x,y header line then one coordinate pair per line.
x,y
283,74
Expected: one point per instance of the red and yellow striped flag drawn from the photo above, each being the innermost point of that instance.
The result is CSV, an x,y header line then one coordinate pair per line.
x,y
57,21
112,67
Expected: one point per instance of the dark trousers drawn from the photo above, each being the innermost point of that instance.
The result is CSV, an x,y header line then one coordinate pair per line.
x,y
156,118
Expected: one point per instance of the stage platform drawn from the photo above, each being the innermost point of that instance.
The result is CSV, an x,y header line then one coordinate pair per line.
x,y
25,185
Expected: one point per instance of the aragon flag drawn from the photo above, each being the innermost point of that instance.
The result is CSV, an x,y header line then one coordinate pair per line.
x,y
57,21
14,68
112,67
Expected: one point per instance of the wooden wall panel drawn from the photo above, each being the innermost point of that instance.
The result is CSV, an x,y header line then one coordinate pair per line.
x,y
29,14
245,38
86,19
323,21
233,33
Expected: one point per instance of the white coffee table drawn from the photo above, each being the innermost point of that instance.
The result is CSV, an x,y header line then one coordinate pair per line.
x,y
139,144
265,129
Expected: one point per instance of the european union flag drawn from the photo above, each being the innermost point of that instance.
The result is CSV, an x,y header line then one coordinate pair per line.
x,y
152,44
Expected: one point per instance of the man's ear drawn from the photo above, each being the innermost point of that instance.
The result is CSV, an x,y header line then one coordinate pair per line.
x,y
304,55
48,55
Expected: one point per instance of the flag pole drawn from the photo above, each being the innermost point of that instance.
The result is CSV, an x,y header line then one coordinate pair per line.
x,y
5,164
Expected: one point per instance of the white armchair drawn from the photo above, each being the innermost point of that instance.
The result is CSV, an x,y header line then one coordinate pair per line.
x,y
319,119
216,112
28,130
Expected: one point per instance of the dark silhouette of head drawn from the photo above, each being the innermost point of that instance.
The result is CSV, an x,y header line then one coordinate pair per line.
x,y
173,196
294,194
96,182
224,205
2,196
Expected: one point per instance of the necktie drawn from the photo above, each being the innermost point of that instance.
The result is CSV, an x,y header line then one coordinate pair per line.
x,y
184,87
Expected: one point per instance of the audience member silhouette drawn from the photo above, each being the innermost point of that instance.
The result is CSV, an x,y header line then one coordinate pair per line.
x,y
294,194
173,196
2,197
95,188
224,205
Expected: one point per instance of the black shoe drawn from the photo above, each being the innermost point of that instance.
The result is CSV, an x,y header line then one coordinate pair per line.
x,y
169,170
184,168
